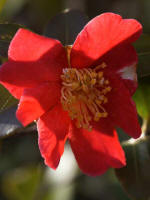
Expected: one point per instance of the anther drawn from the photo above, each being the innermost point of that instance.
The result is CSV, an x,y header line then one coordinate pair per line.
x,y
93,81
83,94
100,75
103,65
108,89
97,116
85,88
75,85
105,114
106,82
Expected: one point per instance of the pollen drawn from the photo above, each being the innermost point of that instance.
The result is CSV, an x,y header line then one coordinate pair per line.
x,y
84,94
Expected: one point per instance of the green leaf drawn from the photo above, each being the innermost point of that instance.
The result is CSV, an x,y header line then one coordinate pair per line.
x,y
144,65
142,98
8,123
2,3
23,183
65,26
4,48
6,99
142,46
135,177
25,150
7,32
142,95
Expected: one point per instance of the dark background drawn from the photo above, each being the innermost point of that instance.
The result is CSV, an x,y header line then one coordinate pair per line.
x,y
23,175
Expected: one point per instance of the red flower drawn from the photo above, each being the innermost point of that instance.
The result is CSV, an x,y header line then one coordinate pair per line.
x,y
82,98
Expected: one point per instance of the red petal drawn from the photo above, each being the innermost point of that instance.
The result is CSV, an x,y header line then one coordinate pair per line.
x,y
14,90
27,46
36,101
32,60
119,57
100,35
53,129
122,60
131,85
98,150
19,74
122,109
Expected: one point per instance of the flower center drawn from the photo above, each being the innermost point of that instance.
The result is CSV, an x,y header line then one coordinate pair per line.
x,y
83,94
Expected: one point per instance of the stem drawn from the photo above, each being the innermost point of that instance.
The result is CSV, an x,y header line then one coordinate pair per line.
x,y
146,127
145,131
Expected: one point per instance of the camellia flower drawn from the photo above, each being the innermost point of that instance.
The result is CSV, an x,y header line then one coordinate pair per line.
x,y
80,92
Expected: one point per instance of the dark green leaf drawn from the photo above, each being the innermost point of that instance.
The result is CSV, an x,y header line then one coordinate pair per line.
x,y
142,95
142,98
135,177
23,183
66,25
6,99
2,3
4,48
25,150
144,64
7,31
142,46
9,123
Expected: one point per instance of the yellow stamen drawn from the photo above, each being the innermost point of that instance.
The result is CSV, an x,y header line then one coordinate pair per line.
x,y
93,81
100,74
107,82
83,94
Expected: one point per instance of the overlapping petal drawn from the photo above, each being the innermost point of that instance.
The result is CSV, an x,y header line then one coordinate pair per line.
x,y
98,150
119,58
53,129
27,46
122,60
36,101
16,91
129,77
121,108
33,74
101,35
32,60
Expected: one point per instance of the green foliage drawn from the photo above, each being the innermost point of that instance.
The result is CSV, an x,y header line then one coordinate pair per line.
x,y
6,99
142,98
135,177
7,31
144,65
142,46
65,26
47,8
8,122
2,3
23,183
20,170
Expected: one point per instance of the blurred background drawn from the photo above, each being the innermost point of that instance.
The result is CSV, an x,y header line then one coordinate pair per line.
x,y
23,175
